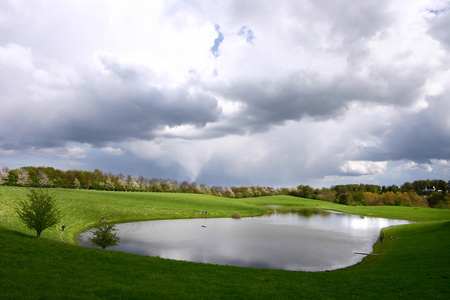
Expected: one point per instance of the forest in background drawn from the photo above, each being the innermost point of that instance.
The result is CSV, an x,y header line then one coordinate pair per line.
x,y
420,193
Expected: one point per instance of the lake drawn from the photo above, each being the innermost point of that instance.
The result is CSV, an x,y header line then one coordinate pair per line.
x,y
310,240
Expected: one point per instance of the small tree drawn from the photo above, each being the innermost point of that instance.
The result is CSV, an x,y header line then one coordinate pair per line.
x,y
105,237
43,180
3,177
23,177
40,211
76,183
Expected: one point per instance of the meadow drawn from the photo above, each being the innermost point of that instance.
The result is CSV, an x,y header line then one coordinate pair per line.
x,y
414,264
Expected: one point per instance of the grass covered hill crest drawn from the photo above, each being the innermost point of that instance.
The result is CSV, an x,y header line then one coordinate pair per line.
x,y
420,193
55,267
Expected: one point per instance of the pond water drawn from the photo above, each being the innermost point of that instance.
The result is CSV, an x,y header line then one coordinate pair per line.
x,y
311,240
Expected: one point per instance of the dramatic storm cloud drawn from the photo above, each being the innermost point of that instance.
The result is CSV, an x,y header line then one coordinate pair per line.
x,y
270,93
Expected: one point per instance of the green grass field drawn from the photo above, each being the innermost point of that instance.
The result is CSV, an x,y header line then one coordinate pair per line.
x,y
416,265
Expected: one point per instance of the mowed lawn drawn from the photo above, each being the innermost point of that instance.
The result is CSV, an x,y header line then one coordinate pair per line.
x,y
415,264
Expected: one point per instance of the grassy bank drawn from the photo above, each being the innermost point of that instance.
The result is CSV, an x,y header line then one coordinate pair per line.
x,y
414,265
84,208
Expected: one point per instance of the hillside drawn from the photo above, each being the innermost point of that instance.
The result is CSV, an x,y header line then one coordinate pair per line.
x,y
54,267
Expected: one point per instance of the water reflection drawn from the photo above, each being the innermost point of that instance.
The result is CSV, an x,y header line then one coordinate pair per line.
x,y
310,212
307,240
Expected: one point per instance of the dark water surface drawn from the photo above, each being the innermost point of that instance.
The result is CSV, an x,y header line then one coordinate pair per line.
x,y
300,241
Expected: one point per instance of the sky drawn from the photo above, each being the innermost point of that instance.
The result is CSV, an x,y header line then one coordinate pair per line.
x,y
229,92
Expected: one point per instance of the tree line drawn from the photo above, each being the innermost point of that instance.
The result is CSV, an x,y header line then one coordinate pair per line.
x,y
49,177
421,193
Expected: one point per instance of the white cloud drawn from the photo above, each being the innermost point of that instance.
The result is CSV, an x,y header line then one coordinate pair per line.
x,y
4,152
75,152
113,151
364,167
17,56
443,163
68,152
411,165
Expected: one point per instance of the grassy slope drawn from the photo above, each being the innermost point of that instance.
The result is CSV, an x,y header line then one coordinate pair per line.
x,y
82,208
416,263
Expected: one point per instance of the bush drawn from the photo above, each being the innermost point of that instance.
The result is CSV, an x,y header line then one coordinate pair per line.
x,y
236,215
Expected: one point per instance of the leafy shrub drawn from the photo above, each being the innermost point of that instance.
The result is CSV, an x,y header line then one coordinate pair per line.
x,y
236,215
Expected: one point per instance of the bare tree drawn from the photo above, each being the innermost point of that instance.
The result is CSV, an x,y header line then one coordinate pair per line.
x,y
184,186
142,181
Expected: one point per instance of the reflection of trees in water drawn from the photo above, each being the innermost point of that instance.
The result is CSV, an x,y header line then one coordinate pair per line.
x,y
304,212
312,211
307,212
324,213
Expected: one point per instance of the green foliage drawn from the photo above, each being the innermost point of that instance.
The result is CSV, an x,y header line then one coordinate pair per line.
x,y
105,236
305,191
409,194
12,177
438,200
345,199
39,212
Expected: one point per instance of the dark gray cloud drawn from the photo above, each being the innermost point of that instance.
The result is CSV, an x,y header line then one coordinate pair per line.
x,y
352,21
282,93
275,101
112,107
439,25
420,137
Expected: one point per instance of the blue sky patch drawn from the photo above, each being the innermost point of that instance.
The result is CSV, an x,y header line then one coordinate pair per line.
x,y
437,11
247,33
215,49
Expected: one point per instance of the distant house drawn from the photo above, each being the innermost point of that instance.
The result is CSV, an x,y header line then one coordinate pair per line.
x,y
430,188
